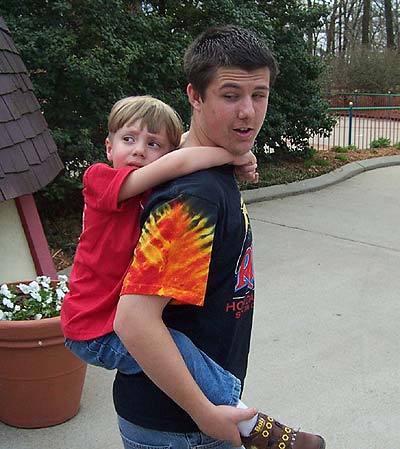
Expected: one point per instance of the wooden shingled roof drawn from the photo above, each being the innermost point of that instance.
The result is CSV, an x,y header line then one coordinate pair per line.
x,y
28,154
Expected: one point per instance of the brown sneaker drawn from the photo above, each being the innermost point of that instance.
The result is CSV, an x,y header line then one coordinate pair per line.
x,y
268,433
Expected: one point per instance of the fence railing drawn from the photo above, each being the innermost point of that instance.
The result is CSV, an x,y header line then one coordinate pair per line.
x,y
362,99
360,125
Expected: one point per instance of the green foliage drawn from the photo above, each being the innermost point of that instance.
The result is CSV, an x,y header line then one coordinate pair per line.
x,y
83,56
397,145
296,109
309,153
368,70
339,149
341,156
380,143
317,161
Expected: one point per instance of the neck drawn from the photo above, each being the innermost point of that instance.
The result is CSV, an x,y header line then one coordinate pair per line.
x,y
195,137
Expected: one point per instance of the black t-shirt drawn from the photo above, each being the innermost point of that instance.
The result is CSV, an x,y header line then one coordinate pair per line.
x,y
203,215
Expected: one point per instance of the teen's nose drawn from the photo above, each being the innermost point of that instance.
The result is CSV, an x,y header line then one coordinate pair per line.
x,y
246,108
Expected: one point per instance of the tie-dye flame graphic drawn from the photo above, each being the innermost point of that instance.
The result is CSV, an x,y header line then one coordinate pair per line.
x,y
173,254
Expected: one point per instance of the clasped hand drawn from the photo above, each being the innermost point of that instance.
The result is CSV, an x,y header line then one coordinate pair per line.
x,y
246,167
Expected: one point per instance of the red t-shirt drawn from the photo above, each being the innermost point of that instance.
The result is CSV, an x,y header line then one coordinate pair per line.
x,y
109,235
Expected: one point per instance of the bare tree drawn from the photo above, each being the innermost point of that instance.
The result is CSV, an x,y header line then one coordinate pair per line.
x,y
374,24
389,24
366,22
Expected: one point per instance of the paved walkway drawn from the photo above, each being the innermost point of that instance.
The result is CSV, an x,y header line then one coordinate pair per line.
x,y
325,345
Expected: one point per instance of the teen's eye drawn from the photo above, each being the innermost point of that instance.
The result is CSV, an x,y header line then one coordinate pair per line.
x,y
129,139
230,97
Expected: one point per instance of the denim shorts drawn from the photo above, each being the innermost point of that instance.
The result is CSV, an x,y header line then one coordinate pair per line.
x,y
136,437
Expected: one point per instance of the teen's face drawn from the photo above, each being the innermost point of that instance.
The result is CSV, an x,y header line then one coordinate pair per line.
x,y
233,109
133,146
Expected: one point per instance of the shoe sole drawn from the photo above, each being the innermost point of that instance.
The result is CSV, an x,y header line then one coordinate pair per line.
x,y
322,445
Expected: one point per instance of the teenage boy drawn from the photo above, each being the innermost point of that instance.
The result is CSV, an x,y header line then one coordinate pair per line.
x,y
192,268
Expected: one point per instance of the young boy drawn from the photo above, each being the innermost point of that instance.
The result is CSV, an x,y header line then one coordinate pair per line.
x,y
143,131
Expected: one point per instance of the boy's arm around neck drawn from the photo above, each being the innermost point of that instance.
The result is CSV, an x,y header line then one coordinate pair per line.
x,y
175,164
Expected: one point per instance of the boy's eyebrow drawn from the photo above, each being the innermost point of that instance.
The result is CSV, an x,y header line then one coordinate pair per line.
x,y
158,135
230,85
131,129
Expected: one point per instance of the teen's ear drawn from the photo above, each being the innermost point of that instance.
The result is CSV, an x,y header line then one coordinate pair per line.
x,y
108,149
194,97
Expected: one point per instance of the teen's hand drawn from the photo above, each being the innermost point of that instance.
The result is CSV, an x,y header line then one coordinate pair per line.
x,y
221,422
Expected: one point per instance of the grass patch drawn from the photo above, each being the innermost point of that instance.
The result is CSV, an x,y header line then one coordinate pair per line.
x,y
339,149
341,157
382,142
316,162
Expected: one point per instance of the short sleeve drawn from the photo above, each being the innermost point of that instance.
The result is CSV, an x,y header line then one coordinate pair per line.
x,y
172,257
102,184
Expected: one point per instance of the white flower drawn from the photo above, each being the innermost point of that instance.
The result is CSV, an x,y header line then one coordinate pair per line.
x,y
62,278
25,289
8,303
60,294
34,286
35,295
44,281
5,291
39,299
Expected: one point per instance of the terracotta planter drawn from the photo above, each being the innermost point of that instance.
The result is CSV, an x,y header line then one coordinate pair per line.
x,y
40,380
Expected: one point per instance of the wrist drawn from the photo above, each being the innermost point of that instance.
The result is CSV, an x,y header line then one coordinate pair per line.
x,y
201,410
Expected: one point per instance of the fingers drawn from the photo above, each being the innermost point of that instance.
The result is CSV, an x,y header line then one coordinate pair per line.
x,y
247,413
248,168
237,440
250,177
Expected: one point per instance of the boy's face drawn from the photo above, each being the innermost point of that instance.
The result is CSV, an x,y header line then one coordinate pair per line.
x,y
136,147
233,108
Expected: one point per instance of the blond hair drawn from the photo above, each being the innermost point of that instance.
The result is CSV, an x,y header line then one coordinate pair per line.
x,y
152,112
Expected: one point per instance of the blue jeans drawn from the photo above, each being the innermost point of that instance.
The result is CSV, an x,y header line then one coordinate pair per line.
x,y
220,386
136,437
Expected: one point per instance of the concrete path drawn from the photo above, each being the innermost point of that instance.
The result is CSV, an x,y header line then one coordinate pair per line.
x,y
325,350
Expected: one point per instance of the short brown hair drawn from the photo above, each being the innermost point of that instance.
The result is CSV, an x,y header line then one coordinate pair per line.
x,y
226,46
152,112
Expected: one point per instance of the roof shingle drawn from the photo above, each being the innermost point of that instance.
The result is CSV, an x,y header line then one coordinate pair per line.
x,y
28,154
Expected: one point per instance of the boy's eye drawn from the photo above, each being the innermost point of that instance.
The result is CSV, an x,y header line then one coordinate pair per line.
x,y
129,139
154,145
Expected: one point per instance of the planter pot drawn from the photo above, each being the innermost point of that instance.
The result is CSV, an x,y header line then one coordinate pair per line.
x,y
40,380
